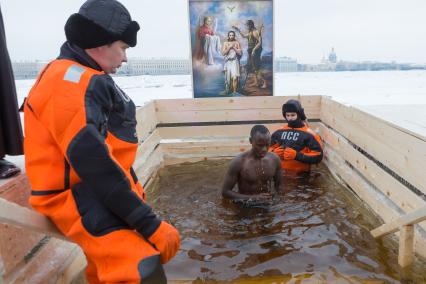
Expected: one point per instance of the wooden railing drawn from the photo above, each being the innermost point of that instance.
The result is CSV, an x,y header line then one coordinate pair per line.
x,y
404,224
19,216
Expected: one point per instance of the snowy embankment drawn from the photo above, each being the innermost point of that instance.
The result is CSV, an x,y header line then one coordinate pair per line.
x,y
397,96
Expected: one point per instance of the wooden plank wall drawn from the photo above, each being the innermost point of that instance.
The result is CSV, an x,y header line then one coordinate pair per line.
x,y
400,151
379,154
146,120
148,157
386,196
181,118
230,109
196,129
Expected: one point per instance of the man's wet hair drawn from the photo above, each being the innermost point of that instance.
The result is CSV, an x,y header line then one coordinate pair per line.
x,y
258,128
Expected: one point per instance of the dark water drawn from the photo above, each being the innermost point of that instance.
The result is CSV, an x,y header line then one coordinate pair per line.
x,y
315,232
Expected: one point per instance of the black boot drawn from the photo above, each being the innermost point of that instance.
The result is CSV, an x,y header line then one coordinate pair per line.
x,y
7,169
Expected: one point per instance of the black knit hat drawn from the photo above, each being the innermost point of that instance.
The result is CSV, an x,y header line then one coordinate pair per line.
x,y
100,22
294,106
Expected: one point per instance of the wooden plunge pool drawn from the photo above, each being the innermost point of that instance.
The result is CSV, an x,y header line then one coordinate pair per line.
x,y
316,231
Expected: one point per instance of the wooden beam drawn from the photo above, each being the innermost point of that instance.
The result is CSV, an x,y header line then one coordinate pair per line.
x,y
259,102
73,267
408,219
146,148
13,214
230,109
249,114
406,246
149,166
146,120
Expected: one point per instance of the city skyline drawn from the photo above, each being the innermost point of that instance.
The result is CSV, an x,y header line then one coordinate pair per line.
x,y
360,30
323,58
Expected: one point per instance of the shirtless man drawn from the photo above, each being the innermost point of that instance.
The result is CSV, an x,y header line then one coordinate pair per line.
x,y
232,52
257,171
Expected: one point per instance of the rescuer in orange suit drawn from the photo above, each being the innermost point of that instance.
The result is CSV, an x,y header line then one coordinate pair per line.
x,y
296,144
80,144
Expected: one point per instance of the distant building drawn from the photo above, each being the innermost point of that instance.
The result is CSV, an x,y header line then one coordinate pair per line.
x,y
27,69
327,63
332,57
134,66
285,64
167,66
139,66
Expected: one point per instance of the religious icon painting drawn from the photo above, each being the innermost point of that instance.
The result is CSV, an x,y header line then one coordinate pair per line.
x,y
232,47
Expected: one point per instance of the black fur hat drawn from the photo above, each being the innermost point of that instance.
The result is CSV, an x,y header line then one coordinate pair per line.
x,y
294,106
100,22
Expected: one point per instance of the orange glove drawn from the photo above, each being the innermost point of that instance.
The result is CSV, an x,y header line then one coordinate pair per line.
x,y
279,151
289,154
166,240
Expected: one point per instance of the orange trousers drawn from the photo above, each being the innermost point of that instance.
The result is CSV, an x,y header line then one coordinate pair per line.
x,y
119,256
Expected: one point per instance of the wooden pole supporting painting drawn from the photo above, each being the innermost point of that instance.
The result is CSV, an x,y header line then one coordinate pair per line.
x,y
406,246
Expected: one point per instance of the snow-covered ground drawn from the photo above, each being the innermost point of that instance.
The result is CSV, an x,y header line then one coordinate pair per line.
x,y
397,96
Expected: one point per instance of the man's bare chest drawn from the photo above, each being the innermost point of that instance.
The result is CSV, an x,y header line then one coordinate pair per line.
x,y
257,170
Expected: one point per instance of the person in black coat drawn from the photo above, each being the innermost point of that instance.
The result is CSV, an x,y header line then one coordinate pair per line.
x,y
11,138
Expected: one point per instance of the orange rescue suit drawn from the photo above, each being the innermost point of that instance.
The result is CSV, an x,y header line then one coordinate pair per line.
x,y
80,144
298,148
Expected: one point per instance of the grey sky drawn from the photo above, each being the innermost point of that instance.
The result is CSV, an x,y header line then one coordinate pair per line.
x,y
383,30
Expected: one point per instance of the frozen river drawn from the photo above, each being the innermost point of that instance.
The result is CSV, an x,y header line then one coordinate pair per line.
x,y
397,96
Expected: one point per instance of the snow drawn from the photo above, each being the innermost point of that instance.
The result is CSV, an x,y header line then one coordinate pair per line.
x,y
396,96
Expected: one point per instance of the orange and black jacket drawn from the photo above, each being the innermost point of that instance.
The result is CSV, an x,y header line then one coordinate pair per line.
x,y
80,135
307,144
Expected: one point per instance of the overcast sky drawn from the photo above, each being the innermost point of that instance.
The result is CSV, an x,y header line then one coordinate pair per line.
x,y
383,30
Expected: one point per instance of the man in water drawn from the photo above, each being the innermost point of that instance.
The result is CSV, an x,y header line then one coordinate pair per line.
x,y
295,143
254,50
257,171
232,52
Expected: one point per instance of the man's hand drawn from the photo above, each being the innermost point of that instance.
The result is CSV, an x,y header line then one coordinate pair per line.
x,y
166,240
264,196
279,151
289,153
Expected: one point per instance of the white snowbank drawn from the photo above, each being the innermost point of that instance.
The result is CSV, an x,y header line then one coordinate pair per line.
x,y
373,91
